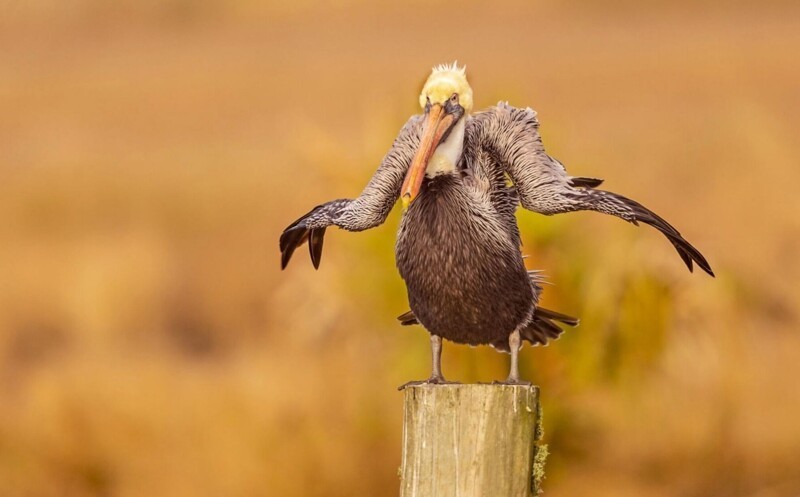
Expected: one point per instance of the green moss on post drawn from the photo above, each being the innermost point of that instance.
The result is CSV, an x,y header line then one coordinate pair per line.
x,y
540,452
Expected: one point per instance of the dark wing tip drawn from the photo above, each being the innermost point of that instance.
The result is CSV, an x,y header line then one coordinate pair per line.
x,y
704,265
687,252
315,240
290,240
687,259
698,258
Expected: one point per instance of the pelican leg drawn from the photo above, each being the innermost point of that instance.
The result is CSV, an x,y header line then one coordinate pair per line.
x,y
514,343
436,363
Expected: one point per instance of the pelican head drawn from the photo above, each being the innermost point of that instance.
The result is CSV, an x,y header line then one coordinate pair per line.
x,y
446,99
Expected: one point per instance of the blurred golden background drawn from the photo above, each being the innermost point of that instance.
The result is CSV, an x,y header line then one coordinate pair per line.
x,y
151,152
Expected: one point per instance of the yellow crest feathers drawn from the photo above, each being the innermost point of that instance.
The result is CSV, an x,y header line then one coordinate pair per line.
x,y
450,68
446,79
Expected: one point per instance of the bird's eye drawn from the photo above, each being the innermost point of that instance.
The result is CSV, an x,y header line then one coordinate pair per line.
x,y
454,98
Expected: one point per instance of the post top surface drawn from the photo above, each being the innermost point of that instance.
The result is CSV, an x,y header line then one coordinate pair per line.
x,y
474,386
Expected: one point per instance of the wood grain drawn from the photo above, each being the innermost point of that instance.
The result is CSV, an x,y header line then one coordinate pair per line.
x,y
470,440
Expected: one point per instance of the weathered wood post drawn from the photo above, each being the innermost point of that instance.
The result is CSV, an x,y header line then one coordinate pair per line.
x,y
472,441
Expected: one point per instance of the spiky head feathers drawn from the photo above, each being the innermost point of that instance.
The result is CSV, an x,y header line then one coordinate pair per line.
x,y
443,82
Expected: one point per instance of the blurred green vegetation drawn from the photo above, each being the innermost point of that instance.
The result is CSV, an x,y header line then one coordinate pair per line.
x,y
152,152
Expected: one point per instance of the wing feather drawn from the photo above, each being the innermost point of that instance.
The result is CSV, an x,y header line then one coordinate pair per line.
x,y
511,136
369,209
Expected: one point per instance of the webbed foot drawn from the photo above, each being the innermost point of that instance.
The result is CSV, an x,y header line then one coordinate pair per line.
x,y
513,381
433,380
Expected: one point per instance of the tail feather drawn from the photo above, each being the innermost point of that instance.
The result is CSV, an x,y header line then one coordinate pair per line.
x,y
408,318
557,316
543,328
541,331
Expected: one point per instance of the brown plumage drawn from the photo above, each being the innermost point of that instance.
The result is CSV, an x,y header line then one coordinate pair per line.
x,y
458,245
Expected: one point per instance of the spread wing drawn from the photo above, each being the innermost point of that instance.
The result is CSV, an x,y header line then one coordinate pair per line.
x,y
368,210
512,137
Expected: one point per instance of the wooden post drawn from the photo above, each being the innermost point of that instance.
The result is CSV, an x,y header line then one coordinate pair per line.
x,y
471,441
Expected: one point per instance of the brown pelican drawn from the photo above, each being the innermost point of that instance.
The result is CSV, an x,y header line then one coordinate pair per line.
x,y
458,246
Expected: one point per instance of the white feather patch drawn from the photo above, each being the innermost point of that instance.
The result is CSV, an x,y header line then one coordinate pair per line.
x,y
448,153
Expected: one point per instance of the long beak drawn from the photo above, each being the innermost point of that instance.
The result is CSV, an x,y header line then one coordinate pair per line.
x,y
435,128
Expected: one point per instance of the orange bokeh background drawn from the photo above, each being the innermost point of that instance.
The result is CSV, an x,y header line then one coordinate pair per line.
x,y
153,151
